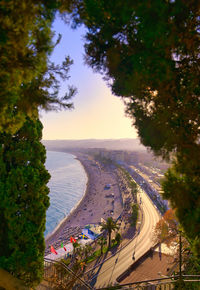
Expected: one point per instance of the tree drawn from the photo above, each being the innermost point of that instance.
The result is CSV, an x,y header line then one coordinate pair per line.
x,y
23,202
28,81
134,214
183,181
166,229
118,238
192,267
87,251
102,242
27,77
149,54
76,248
109,226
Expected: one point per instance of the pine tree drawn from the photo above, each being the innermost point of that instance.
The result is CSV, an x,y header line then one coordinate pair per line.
x,y
23,202
28,81
27,76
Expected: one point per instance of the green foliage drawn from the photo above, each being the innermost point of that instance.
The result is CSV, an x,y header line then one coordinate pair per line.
x,y
109,226
87,250
192,267
134,214
102,242
149,53
95,255
27,77
98,253
28,81
23,202
118,238
184,183
66,261
131,182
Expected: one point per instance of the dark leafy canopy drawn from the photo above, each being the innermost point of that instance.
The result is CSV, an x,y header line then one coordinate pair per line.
x,y
27,77
28,82
182,188
23,202
149,53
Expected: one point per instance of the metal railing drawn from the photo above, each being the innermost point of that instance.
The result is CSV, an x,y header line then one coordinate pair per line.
x,y
59,275
167,283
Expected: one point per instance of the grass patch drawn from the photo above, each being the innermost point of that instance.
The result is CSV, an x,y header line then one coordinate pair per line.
x,y
97,253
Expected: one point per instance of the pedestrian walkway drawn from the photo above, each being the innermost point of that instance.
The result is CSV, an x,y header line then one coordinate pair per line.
x,y
61,253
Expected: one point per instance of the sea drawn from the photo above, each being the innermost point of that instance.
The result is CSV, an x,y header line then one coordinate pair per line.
x,y
67,186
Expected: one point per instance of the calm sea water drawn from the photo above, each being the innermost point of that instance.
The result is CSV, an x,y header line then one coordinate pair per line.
x,y
67,186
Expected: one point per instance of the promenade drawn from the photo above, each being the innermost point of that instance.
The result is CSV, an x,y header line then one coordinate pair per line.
x,y
97,203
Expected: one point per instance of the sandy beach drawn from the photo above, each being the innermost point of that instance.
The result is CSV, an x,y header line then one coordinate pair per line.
x,y
97,202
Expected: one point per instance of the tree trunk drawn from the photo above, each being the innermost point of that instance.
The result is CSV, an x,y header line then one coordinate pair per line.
x,y
109,239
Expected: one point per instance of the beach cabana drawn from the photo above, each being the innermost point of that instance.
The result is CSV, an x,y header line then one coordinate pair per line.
x,y
92,231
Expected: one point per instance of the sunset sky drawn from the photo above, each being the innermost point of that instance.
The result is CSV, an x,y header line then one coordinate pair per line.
x,y
97,113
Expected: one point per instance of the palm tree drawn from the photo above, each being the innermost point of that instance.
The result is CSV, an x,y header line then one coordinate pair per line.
x,y
109,226
76,248
79,252
87,251
101,242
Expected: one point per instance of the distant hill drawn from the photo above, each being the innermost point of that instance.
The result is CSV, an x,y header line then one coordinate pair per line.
x,y
110,144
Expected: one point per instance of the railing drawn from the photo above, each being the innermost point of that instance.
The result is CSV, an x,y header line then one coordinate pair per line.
x,y
167,283
59,275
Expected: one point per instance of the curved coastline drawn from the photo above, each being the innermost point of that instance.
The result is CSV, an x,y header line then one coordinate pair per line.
x,y
73,210
92,206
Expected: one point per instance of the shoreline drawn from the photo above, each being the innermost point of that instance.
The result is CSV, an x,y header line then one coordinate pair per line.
x,y
74,207
93,205
53,236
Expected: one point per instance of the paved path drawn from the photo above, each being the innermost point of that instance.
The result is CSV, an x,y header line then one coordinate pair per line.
x,y
112,268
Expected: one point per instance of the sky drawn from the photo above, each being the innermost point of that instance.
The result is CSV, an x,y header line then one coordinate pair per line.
x,y
97,114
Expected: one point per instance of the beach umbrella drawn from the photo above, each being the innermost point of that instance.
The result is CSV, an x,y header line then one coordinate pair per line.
x,y
84,236
62,246
53,250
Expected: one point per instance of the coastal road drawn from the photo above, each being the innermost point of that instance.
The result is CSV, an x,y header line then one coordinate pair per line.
x,y
108,272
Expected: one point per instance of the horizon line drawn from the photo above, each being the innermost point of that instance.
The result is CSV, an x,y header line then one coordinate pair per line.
x,y
90,139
